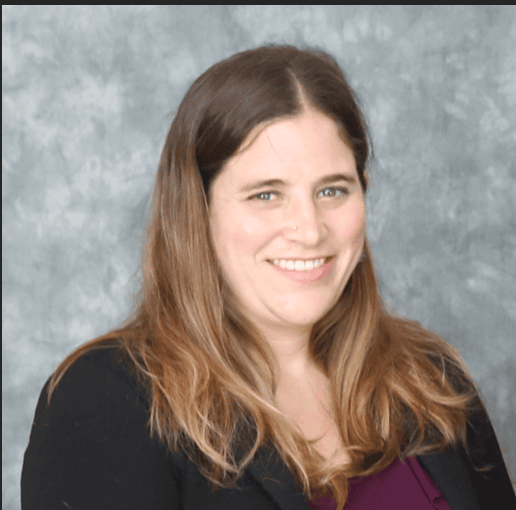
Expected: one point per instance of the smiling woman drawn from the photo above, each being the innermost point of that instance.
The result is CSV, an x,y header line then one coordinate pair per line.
x,y
315,238
260,369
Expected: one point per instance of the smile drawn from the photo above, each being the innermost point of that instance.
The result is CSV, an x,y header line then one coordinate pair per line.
x,y
299,265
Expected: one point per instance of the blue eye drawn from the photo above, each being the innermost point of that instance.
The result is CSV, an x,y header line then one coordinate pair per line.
x,y
334,192
263,196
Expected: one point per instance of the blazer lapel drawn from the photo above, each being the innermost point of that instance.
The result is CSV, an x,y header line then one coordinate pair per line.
x,y
268,469
450,473
447,469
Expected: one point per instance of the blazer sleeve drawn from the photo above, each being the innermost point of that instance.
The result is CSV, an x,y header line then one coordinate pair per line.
x,y
91,448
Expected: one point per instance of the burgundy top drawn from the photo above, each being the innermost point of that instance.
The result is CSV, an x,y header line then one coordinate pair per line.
x,y
401,486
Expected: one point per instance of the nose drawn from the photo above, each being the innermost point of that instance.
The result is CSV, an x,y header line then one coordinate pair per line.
x,y
304,223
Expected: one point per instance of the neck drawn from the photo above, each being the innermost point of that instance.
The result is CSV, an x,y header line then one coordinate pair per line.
x,y
292,355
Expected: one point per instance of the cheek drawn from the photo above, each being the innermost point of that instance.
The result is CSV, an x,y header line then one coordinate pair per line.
x,y
239,234
253,232
353,226
253,225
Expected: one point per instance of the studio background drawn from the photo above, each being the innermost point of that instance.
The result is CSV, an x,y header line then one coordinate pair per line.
x,y
88,93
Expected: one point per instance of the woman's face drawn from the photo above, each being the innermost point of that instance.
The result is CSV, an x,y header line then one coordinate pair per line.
x,y
287,217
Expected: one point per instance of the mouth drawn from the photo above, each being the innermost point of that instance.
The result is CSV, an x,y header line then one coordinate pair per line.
x,y
300,265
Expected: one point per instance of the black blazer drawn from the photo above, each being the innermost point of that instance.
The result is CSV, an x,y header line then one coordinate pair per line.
x,y
91,450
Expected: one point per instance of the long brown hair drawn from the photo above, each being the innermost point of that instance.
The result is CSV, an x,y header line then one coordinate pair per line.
x,y
210,374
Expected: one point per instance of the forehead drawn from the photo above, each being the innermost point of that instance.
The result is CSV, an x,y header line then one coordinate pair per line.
x,y
312,140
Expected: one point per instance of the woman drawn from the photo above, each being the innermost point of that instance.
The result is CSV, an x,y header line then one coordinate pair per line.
x,y
260,369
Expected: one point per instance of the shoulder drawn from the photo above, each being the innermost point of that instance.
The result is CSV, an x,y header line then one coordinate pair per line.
x,y
483,450
102,372
100,387
99,393
474,476
92,441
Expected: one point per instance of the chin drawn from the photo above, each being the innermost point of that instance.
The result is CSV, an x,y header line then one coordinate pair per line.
x,y
303,315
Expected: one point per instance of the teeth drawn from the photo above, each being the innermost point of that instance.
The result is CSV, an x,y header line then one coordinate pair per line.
x,y
298,265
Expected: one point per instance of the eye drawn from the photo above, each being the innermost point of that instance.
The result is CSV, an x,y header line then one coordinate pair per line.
x,y
333,192
263,196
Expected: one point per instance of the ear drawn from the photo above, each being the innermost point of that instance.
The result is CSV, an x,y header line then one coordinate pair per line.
x,y
366,177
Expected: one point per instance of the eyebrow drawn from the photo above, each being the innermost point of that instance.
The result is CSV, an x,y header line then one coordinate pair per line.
x,y
278,182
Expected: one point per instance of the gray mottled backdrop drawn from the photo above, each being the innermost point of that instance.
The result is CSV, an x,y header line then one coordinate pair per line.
x,y
89,92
